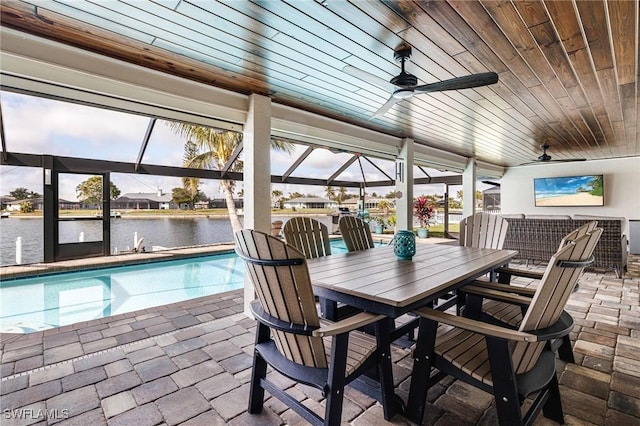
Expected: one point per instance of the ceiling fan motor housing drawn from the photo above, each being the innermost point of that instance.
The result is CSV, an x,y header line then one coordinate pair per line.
x,y
544,157
404,79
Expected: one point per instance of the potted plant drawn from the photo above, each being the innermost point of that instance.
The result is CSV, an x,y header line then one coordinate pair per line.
x,y
378,225
423,210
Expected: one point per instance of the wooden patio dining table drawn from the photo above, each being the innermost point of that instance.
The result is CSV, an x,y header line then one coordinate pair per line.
x,y
377,281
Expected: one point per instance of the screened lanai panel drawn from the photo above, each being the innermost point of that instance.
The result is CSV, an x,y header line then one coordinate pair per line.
x,y
362,170
165,147
321,164
169,145
282,161
36,125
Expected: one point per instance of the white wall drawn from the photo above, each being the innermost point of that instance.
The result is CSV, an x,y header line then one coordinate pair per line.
x,y
621,188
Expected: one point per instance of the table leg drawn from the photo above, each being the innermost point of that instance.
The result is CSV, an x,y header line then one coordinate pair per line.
x,y
328,308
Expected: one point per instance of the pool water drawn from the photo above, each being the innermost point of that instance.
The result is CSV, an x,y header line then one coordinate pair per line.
x,y
48,301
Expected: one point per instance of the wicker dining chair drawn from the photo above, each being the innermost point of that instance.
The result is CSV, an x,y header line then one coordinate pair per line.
x,y
510,364
292,339
308,235
355,233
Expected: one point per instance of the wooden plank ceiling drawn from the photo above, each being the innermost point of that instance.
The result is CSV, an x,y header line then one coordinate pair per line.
x,y
568,70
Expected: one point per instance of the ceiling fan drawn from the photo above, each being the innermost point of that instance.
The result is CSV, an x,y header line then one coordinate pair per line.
x,y
546,158
405,85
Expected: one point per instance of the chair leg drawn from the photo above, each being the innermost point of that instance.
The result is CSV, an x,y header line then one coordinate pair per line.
x,y
259,371
334,391
384,328
422,364
256,392
504,382
565,352
552,409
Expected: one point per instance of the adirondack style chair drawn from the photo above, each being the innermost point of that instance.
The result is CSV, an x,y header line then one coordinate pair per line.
x,y
511,364
311,237
292,339
355,233
480,230
308,235
510,312
483,230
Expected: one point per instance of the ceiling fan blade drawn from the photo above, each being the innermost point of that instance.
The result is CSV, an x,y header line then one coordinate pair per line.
x,y
466,82
568,160
384,108
369,78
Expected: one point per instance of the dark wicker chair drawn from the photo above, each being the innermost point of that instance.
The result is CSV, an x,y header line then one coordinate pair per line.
x,y
536,239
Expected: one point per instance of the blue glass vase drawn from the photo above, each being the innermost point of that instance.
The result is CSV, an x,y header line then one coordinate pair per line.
x,y
404,245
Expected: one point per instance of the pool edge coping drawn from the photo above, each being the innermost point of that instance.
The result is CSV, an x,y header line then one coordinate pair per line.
x,y
92,263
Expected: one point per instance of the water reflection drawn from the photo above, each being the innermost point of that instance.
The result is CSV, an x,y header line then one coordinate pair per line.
x,y
39,303
161,231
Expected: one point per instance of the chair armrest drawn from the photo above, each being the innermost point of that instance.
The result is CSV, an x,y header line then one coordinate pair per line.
x,y
520,273
560,328
499,295
506,288
270,321
348,324
476,326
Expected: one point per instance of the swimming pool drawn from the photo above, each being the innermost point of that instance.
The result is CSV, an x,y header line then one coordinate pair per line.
x,y
48,301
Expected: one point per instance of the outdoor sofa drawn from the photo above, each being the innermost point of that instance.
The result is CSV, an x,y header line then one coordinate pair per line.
x,y
536,237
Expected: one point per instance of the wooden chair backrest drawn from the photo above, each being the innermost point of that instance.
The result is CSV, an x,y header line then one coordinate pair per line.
x,y
552,295
284,292
483,230
578,232
355,233
308,235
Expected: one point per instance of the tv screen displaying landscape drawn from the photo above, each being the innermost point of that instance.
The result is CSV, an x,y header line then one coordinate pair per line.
x,y
586,190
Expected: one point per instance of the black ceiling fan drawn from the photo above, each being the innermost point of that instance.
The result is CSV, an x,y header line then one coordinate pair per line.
x,y
546,158
405,85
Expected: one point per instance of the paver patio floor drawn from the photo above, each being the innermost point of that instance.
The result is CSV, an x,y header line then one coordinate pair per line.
x,y
190,362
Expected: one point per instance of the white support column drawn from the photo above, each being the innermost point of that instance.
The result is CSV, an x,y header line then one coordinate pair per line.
x,y
404,186
257,174
469,188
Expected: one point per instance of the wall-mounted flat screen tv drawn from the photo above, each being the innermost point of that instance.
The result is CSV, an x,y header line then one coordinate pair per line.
x,y
569,191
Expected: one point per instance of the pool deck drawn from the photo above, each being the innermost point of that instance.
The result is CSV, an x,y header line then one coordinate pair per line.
x,y
35,269
190,363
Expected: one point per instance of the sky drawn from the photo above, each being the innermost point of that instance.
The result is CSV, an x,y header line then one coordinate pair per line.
x,y
43,126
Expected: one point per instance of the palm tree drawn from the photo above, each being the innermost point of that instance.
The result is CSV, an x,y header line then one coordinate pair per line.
x,y
342,194
191,185
385,206
330,192
277,195
214,149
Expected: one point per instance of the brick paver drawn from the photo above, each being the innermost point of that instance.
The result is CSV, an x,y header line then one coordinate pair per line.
x,y
182,405
195,370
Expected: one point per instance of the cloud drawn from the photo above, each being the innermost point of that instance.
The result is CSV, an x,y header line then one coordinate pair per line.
x,y
44,126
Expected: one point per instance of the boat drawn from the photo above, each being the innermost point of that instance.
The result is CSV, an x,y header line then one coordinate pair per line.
x,y
5,215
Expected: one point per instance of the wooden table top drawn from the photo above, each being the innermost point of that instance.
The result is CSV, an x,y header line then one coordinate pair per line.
x,y
377,275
